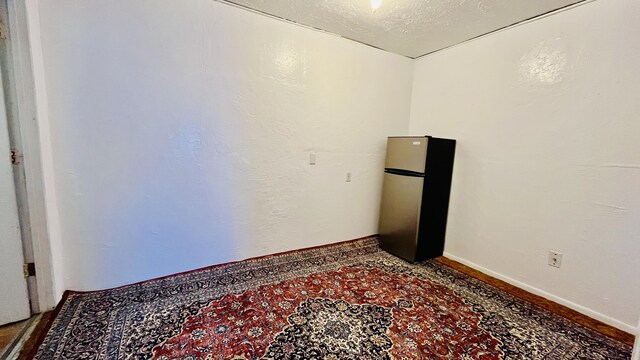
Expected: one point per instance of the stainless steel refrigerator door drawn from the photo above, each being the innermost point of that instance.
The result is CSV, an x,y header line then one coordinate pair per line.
x,y
400,215
407,153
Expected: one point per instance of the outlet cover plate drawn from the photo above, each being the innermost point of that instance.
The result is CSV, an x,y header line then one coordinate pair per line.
x,y
555,258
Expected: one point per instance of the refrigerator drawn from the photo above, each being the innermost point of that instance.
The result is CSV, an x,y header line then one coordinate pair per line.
x,y
415,196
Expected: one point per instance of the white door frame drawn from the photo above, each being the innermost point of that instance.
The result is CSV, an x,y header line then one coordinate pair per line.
x,y
27,68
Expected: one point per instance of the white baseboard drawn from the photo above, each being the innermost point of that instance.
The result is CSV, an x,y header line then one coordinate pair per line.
x,y
579,308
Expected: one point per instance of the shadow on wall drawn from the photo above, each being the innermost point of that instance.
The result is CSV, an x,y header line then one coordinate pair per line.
x,y
175,213
156,187
181,213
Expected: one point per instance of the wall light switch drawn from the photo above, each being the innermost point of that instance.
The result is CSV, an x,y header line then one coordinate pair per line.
x,y
312,158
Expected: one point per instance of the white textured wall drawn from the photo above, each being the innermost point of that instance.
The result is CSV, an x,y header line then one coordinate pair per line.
x,y
636,346
181,133
547,120
54,267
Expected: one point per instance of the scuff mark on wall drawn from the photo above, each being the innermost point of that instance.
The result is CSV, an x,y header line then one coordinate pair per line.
x,y
610,206
621,166
186,141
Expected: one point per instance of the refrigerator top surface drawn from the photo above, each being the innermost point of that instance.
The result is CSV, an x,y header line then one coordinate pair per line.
x,y
407,153
408,137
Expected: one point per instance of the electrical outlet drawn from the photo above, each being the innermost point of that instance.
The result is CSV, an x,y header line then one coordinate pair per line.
x,y
555,258
348,177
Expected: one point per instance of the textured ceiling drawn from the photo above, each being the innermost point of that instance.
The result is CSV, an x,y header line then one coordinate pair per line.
x,y
407,27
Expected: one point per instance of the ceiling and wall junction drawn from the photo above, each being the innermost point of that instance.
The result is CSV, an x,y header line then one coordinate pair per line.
x,y
411,28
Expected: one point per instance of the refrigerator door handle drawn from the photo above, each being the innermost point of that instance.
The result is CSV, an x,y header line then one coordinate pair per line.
x,y
404,172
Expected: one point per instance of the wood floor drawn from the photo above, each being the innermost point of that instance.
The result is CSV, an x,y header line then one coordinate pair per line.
x,y
8,333
29,346
561,310
543,303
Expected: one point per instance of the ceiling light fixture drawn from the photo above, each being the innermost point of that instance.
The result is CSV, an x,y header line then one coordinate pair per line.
x,y
375,4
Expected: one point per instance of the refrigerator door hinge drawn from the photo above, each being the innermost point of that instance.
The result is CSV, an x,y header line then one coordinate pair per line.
x,y
29,269
15,157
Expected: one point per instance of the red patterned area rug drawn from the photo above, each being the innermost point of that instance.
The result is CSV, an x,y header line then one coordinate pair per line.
x,y
345,301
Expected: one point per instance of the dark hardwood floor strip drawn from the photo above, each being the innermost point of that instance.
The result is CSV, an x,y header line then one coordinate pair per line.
x,y
556,308
8,334
29,347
